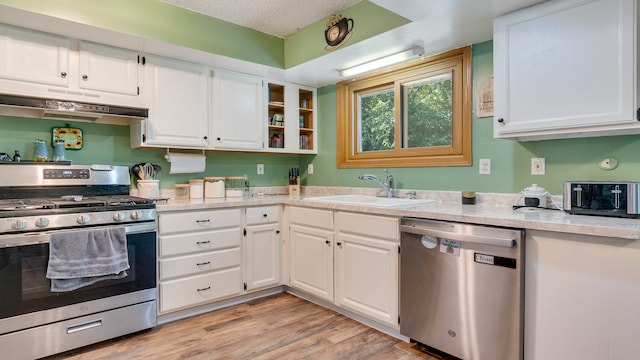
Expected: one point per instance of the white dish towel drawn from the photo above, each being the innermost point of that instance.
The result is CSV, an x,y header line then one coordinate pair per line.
x,y
82,258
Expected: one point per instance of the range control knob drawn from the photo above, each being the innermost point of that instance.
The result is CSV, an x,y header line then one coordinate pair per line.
x,y
43,222
19,224
135,215
83,219
119,216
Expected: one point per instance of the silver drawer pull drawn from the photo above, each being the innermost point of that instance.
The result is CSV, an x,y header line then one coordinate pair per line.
x,y
204,289
203,242
86,326
203,263
203,221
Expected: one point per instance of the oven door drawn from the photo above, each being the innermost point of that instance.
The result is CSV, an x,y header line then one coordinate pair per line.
x,y
27,299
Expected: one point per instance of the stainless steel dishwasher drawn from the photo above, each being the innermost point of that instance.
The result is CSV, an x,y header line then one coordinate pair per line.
x,y
461,289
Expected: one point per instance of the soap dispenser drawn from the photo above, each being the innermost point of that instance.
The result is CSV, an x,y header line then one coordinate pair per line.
x,y
16,156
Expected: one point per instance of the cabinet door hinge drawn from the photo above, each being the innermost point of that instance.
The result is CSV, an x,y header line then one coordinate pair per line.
x,y
638,114
244,231
138,90
144,138
398,249
398,319
245,287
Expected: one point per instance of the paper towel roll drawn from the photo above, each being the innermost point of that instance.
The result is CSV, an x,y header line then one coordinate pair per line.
x,y
186,163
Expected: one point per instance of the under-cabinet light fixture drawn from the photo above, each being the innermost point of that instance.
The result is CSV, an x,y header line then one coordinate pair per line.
x,y
412,53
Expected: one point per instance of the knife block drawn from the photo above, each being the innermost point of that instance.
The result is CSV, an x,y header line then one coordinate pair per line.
x,y
294,189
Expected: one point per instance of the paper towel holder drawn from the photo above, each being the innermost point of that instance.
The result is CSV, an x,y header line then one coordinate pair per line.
x,y
167,156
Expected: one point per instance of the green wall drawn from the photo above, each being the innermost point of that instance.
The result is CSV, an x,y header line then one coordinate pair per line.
x,y
567,159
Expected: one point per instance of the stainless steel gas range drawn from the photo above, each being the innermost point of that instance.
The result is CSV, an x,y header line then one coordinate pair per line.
x,y
83,208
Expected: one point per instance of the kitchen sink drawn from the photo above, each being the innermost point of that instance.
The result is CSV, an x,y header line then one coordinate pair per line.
x,y
370,200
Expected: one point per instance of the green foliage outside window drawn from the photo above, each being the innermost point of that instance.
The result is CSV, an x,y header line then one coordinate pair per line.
x,y
377,121
429,113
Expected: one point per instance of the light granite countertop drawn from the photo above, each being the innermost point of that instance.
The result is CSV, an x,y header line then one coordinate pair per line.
x,y
490,209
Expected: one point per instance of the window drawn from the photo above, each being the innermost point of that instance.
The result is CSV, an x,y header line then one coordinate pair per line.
x,y
415,115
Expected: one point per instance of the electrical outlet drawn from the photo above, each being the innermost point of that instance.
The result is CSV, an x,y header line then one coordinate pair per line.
x,y
260,169
537,166
310,169
485,166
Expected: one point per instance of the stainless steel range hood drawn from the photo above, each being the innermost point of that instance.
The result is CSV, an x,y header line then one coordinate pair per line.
x,y
45,108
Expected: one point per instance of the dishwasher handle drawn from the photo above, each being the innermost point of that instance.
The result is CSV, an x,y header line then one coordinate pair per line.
x,y
469,238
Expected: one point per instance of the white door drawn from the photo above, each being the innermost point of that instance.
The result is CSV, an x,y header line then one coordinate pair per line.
x,y
367,276
564,65
263,256
237,112
34,56
178,103
105,68
311,261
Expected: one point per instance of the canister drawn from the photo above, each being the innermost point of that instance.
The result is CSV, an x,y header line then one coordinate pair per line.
x,y
213,187
59,151
234,186
182,191
196,188
41,153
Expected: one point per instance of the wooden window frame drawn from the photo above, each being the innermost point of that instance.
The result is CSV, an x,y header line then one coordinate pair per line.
x,y
457,154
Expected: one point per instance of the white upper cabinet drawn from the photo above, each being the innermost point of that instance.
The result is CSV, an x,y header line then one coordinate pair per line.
x,y
104,68
237,111
34,57
46,65
178,105
566,69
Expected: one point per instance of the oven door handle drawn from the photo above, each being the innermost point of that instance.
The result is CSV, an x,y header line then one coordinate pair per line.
x,y
85,326
35,238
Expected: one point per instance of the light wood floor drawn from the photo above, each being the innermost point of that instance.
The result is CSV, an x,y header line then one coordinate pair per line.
x,y
277,327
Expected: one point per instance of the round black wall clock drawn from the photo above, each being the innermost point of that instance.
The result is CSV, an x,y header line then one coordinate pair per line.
x,y
338,31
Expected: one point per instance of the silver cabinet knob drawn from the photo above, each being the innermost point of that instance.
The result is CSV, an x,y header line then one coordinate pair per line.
x,y
19,224
83,219
43,222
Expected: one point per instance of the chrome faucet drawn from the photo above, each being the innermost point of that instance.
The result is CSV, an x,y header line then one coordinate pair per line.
x,y
388,185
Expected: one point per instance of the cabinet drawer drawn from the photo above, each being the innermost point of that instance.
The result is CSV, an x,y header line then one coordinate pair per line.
x,y
199,263
198,220
311,217
263,215
175,294
180,244
381,227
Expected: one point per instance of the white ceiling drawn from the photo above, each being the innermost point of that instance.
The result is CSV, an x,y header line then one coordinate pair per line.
x,y
274,17
437,25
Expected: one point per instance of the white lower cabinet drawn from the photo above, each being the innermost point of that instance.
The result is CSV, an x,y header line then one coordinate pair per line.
x,y
353,264
263,247
581,297
311,251
366,265
200,257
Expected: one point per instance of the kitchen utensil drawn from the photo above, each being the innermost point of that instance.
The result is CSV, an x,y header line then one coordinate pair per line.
x,y
149,172
146,171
